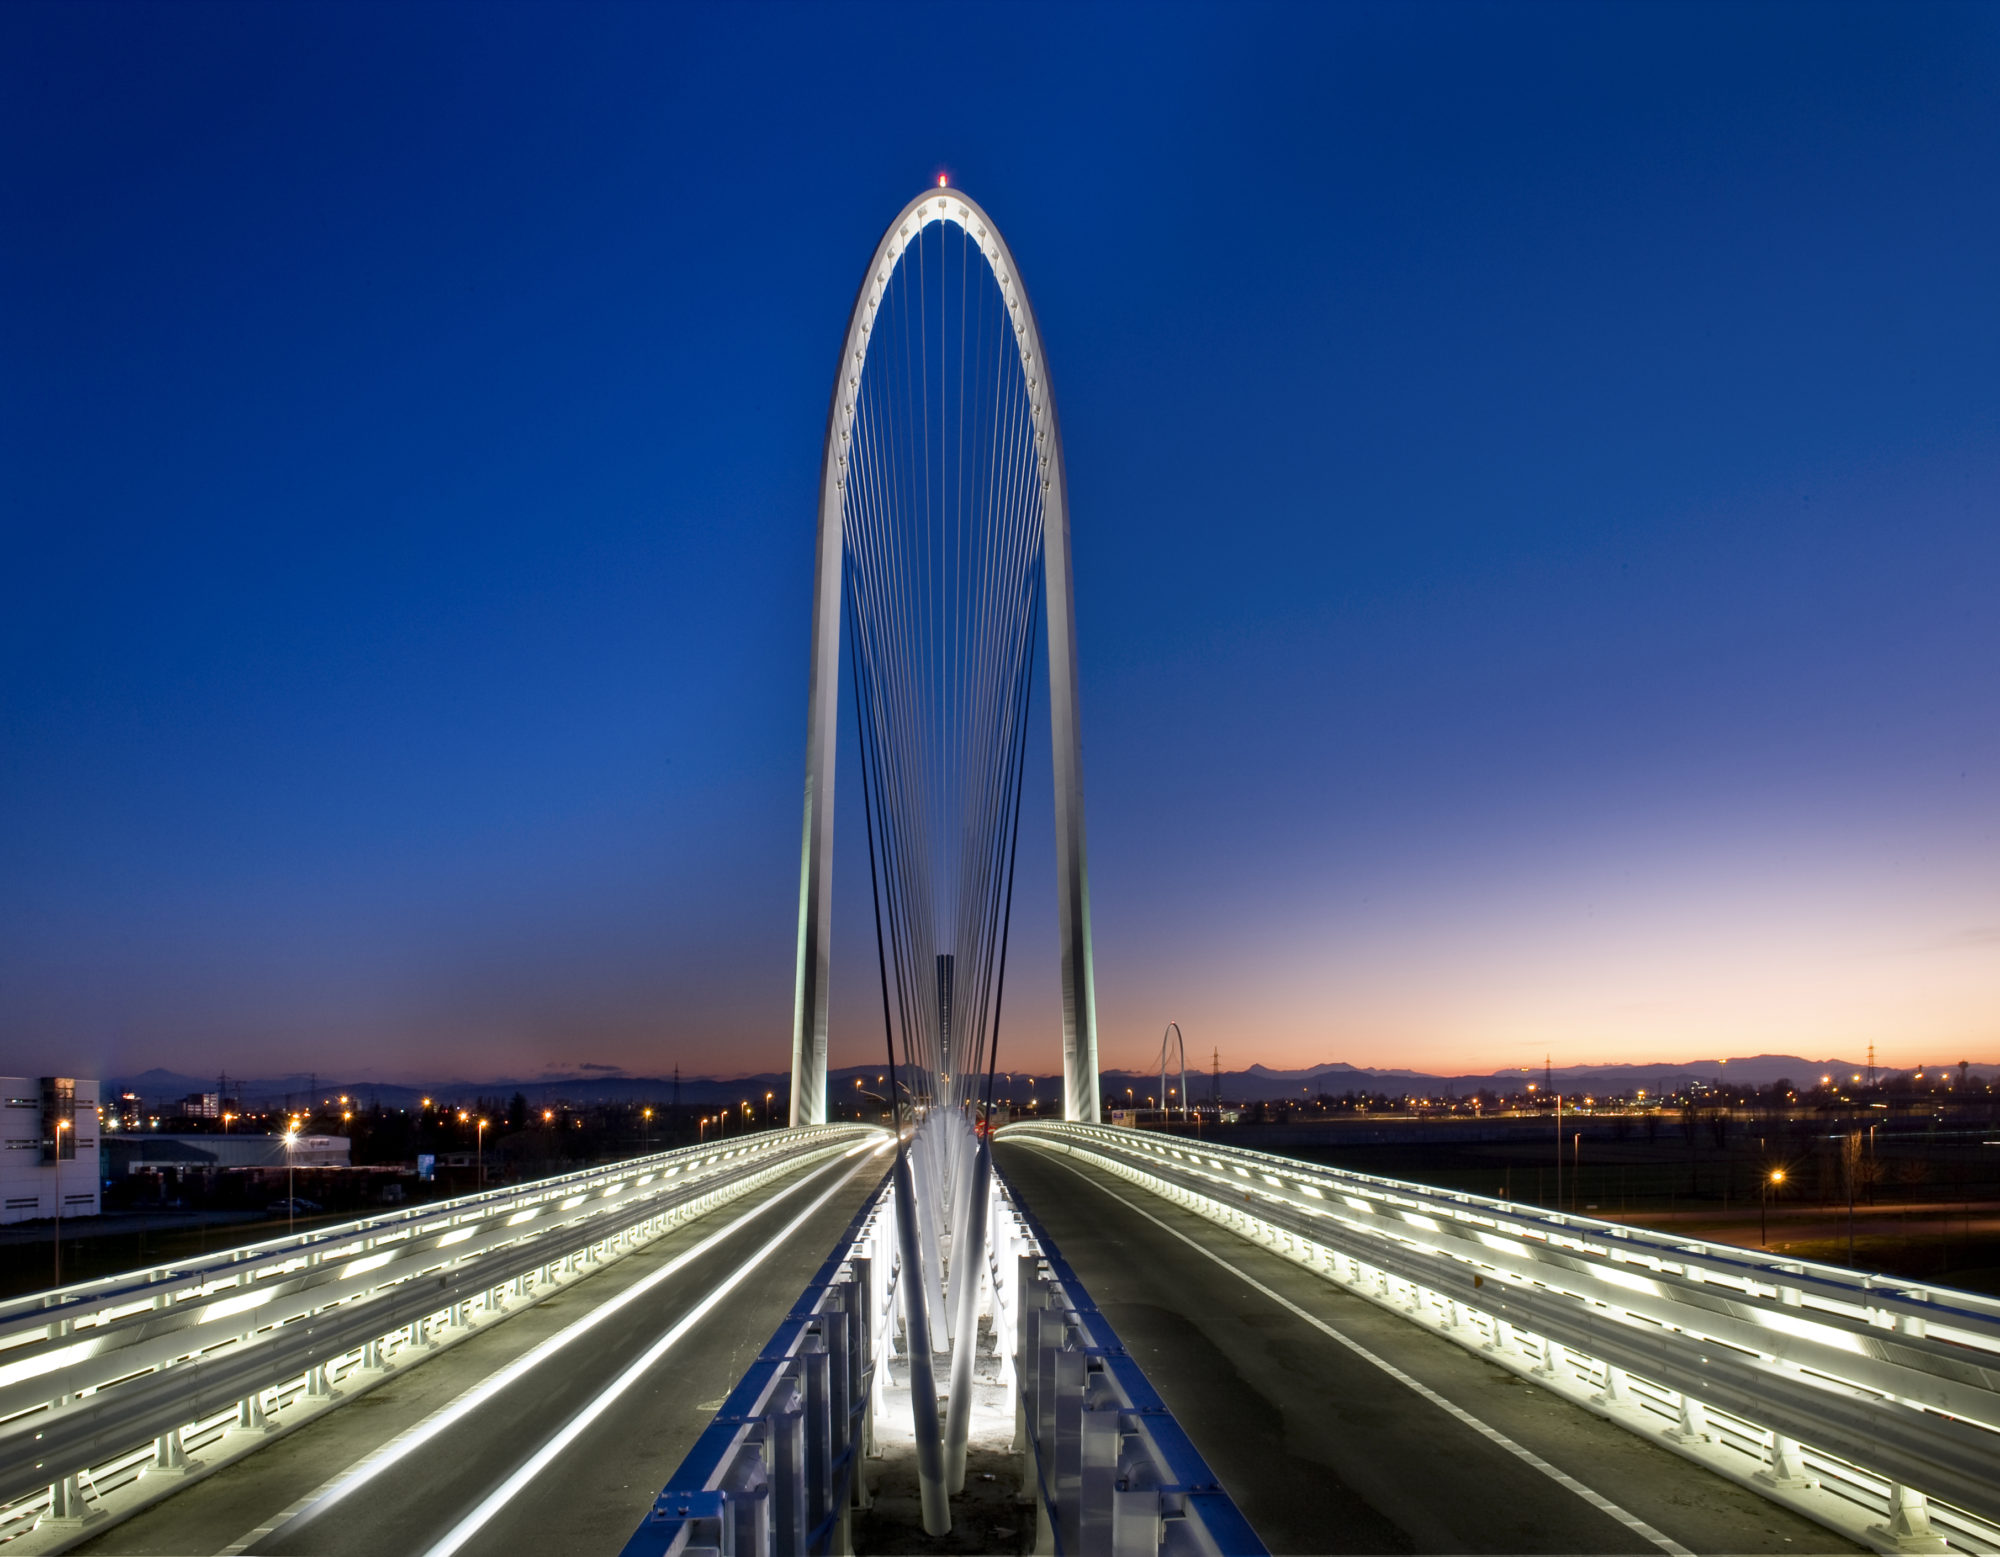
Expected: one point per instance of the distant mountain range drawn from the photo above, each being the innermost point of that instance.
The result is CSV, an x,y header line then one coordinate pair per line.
x,y
1261,1082
1258,1083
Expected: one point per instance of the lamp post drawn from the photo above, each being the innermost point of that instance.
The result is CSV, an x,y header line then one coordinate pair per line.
x,y
767,1109
61,1125
1559,1151
479,1151
1771,1180
1850,1159
291,1182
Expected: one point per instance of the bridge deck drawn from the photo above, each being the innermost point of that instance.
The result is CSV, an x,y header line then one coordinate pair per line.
x,y
591,1495
1323,1449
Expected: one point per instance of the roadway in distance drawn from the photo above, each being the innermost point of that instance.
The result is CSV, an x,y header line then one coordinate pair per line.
x,y
1324,1451
592,1493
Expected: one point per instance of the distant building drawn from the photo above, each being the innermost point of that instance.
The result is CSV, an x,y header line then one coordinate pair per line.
x,y
48,1147
154,1150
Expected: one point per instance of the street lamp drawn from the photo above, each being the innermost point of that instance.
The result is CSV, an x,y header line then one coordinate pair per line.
x,y
291,1181
767,1107
479,1151
61,1125
1771,1181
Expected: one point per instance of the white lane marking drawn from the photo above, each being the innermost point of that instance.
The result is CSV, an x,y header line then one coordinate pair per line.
x,y
499,1498
373,1464
1562,1478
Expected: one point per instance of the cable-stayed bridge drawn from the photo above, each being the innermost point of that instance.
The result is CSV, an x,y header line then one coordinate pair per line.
x,y
949,1337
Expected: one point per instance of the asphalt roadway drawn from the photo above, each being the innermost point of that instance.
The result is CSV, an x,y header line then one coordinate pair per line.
x,y
498,1480
1326,1450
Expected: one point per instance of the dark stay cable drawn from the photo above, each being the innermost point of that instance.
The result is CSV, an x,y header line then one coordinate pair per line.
x,y
1013,849
874,888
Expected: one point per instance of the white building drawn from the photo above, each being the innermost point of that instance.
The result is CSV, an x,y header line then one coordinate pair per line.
x,y
48,1147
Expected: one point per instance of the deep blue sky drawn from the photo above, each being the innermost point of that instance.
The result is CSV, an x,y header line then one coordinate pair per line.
x,y
1536,488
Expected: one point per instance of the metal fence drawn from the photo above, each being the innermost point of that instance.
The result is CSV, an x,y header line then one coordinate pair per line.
x,y
778,1472
109,1381
1114,1471
1869,1403
775,1470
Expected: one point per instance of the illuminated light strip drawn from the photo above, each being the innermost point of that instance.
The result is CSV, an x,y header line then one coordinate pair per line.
x,y
48,1362
1562,1478
237,1305
372,1465
573,1429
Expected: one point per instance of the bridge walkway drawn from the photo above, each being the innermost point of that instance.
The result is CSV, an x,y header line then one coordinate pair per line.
x,y
1326,1451
592,1493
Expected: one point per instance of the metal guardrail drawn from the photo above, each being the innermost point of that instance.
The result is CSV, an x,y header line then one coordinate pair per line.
x,y
1869,1403
775,1470
1115,1471
777,1473
109,1379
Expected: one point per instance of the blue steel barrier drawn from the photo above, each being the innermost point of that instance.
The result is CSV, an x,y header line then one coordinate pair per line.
x,y
1115,1471
774,1471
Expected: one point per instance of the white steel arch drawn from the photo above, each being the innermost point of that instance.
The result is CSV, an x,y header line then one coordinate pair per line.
x,y
1079,998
